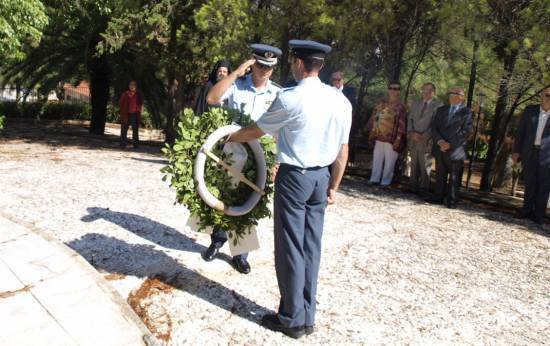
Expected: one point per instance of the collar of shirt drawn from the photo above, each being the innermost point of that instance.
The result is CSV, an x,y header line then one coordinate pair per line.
x,y
250,85
455,108
309,81
544,113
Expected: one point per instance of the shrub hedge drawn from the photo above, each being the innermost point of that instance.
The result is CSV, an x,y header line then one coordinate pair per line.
x,y
63,111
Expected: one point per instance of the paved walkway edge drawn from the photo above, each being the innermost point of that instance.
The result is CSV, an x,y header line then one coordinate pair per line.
x,y
125,309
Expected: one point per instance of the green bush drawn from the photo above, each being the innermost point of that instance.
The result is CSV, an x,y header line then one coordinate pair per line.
x,y
58,110
64,111
113,114
31,110
1,121
10,109
146,119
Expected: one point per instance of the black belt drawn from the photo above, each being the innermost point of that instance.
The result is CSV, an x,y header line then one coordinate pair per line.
x,y
315,168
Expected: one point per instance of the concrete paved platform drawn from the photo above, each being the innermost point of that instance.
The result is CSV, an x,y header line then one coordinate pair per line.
x,y
49,295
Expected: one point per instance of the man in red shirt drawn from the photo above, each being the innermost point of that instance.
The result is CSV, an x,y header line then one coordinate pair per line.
x,y
130,104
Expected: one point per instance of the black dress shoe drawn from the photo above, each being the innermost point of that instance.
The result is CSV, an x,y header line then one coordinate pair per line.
x,y
241,265
211,252
309,330
451,205
272,322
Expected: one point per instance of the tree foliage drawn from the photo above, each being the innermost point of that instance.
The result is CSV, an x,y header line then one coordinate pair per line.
x,y
21,24
500,48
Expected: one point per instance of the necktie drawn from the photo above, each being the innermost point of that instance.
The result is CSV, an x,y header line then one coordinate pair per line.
x,y
424,108
451,113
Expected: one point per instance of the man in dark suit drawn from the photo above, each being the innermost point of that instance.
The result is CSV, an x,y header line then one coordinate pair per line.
x,y
337,80
532,148
451,127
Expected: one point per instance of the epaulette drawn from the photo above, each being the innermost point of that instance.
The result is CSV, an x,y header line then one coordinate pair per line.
x,y
276,84
286,89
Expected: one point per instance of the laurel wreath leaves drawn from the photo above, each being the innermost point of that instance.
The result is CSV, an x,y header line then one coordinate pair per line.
x,y
192,132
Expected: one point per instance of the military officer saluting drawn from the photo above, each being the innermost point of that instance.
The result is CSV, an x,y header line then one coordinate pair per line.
x,y
250,93
312,123
253,94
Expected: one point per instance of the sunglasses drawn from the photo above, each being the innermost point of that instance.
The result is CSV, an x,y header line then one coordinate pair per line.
x,y
453,93
547,95
336,79
394,88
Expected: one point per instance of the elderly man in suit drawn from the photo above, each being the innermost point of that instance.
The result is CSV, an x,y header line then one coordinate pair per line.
x,y
337,80
419,131
532,148
451,128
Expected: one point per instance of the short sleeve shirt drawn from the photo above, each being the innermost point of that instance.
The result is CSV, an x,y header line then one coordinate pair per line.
x,y
312,121
244,96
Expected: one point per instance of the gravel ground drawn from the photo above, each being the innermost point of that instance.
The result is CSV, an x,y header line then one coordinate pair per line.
x,y
394,269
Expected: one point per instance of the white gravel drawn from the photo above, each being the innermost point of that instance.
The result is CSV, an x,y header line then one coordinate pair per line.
x,y
394,270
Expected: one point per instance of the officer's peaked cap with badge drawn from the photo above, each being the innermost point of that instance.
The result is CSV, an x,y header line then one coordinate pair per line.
x,y
309,49
265,54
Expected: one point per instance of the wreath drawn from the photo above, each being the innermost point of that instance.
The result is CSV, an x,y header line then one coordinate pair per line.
x,y
192,132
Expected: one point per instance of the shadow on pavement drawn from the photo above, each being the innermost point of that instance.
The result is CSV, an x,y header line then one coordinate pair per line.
x,y
359,188
159,161
118,257
151,230
59,133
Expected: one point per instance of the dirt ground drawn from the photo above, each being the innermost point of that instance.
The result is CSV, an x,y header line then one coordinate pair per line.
x,y
394,269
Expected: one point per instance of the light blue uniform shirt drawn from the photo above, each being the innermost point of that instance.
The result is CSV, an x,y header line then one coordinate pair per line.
x,y
311,121
244,96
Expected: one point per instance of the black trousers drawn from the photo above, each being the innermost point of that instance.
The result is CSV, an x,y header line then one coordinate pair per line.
x,y
537,186
448,177
133,121
219,237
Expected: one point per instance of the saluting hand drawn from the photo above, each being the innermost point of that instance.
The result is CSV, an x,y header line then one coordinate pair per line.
x,y
241,70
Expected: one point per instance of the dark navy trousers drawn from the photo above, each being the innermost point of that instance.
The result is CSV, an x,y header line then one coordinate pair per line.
x,y
299,212
537,185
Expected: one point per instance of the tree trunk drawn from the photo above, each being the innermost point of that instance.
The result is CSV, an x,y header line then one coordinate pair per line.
x,y
100,82
169,130
473,73
285,67
17,92
496,124
503,167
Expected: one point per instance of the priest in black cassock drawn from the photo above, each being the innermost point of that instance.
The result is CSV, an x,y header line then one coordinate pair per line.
x,y
221,70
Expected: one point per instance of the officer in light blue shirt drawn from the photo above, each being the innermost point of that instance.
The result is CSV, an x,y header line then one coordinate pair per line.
x,y
253,94
312,122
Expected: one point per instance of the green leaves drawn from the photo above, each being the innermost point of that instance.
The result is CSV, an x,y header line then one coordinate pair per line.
x,y
21,24
192,132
